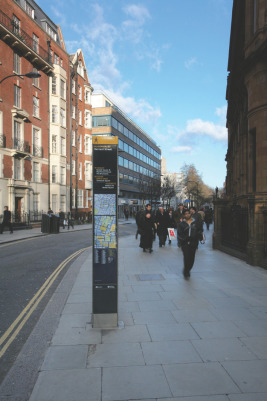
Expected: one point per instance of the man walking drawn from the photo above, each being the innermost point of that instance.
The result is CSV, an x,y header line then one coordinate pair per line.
x,y
188,235
6,221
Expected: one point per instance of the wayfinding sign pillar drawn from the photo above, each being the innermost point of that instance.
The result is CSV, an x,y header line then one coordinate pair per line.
x,y
105,233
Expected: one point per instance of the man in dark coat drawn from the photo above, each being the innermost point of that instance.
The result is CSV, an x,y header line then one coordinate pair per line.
x,y
146,230
188,235
6,221
61,218
178,214
162,225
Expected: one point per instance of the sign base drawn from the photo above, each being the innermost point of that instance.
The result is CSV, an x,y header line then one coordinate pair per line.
x,y
105,320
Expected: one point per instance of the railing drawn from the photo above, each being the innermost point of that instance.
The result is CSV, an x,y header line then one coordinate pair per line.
x,y
37,151
20,145
2,141
235,228
13,27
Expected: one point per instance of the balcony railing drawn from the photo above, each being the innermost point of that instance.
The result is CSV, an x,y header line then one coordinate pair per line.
x,y
13,27
37,151
21,146
2,141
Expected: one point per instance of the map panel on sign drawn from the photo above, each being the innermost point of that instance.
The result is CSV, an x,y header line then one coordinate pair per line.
x,y
105,204
105,232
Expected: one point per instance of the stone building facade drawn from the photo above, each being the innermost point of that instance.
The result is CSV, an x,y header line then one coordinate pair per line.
x,y
241,217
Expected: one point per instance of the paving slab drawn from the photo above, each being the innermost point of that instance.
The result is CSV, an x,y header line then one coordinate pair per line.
x,y
258,345
66,357
248,376
115,354
173,332
68,385
169,352
134,383
199,379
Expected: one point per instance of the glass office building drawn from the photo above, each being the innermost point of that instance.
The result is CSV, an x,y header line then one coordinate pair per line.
x,y
139,159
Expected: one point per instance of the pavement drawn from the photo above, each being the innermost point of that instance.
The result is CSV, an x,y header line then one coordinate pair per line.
x,y
202,339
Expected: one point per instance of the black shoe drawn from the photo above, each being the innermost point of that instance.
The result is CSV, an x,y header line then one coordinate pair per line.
x,y
150,250
144,250
170,242
160,245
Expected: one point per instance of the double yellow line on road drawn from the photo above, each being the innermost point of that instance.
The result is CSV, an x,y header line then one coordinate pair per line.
x,y
9,336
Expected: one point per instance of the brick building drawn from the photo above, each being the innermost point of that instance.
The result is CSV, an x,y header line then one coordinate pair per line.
x,y
241,218
29,41
80,181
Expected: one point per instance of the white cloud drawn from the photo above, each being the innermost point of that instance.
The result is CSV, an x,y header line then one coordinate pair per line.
x,y
199,127
133,27
221,111
181,149
190,62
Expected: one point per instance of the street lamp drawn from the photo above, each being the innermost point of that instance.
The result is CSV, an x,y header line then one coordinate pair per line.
x,y
31,74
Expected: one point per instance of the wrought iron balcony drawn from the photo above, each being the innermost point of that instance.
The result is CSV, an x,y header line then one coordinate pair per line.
x,y
18,39
21,146
37,151
2,141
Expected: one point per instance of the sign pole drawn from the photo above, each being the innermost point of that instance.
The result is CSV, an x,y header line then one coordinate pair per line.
x,y
105,232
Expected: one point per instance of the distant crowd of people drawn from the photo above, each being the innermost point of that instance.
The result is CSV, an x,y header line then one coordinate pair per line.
x,y
188,223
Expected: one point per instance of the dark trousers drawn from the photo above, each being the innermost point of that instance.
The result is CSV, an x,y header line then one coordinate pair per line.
x,y
8,224
162,239
189,251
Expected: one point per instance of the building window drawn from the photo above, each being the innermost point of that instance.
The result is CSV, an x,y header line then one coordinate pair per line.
x,y
80,68
73,198
80,93
80,171
54,114
35,43
17,135
87,119
35,202
87,145
80,117
54,174
73,87
17,63
54,144
56,59
62,89
17,96
80,144
80,198
16,25
88,171
36,172
62,176
54,85
36,142
103,121
73,112
35,81
35,106
54,203
73,138
63,117
62,202
51,32
62,146
17,169
29,10
73,172
87,96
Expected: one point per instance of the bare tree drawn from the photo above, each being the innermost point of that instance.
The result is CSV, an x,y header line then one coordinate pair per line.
x,y
197,190
167,189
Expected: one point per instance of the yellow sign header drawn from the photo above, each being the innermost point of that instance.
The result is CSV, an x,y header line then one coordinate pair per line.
x,y
105,140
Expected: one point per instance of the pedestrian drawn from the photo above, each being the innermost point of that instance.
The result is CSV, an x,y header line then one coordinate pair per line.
x,y
171,221
137,219
178,214
126,213
162,225
208,218
61,218
6,220
146,230
70,222
188,235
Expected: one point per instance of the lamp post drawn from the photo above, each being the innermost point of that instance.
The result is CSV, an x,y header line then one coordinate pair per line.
x,y
31,74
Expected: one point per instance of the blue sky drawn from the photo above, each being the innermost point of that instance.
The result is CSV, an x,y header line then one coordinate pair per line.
x,y
164,63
